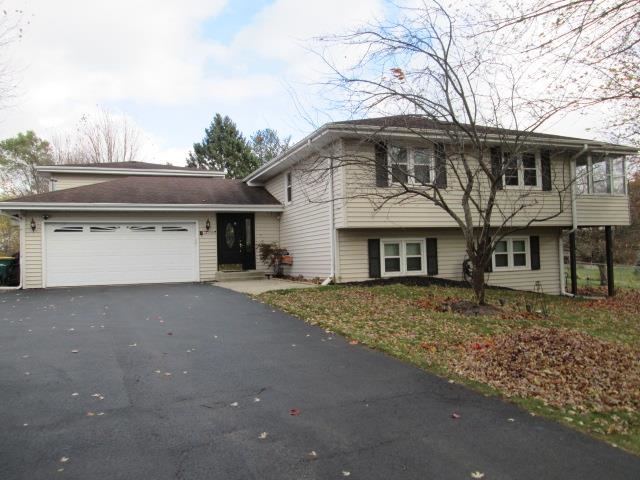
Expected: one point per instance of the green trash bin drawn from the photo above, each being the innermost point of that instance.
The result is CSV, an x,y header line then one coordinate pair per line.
x,y
5,264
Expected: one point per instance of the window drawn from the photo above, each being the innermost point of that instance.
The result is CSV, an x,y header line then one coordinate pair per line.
x,y
104,229
174,228
142,228
601,175
522,170
512,254
69,229
288,187
411,165
403,257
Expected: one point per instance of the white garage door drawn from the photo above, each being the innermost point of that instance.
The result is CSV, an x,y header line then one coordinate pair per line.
x,y
122,253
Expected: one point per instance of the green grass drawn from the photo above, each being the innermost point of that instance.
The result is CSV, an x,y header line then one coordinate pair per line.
x,y
625,276
406,322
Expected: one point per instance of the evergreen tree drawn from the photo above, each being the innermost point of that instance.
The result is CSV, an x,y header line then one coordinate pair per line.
x,y
267,145
225,149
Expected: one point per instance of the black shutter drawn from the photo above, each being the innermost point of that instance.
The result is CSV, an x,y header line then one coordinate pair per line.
x,y
374,257
496,165
440,166
382,170
432,256
534,244
545,164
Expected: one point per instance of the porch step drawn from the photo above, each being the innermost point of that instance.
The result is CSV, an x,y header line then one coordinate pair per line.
x,y
246,275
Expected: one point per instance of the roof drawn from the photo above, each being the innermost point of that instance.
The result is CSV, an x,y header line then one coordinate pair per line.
x,y
406,126
128,168
152,192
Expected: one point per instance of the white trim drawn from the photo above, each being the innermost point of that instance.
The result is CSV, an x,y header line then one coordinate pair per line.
x,y
510,253
155,172
137,207
403,257
288,184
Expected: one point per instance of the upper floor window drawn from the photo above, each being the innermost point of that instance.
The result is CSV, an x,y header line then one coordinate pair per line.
x,y
522,170
288,187
601,175
411,165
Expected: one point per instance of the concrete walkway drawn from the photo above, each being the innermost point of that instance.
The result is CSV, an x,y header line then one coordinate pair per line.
x,y
255,287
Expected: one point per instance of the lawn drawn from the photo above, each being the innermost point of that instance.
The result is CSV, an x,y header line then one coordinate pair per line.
x,y
625,276
579,363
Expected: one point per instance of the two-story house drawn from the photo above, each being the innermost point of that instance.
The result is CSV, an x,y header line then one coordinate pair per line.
x,y
337,200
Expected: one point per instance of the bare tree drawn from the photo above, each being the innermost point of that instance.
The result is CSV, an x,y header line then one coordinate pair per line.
x,y
99,138
466,108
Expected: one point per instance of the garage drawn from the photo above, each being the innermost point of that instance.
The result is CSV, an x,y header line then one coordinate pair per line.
x,y
119,253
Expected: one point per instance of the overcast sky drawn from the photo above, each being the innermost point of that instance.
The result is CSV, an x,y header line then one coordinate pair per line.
x,y
171,65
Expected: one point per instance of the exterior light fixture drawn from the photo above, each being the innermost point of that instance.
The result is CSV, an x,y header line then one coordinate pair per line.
x,y
33,225
208,225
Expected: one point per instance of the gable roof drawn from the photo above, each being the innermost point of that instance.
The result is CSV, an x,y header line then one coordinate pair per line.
x,y
128,168
151,193
408,126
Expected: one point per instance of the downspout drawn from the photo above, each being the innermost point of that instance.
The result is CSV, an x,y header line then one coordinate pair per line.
x,y
332,234
574,211
21,228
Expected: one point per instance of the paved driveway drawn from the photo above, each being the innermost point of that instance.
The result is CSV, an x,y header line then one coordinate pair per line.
x,y
182,381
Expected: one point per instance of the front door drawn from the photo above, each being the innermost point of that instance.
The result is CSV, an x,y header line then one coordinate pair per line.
x,y
236,250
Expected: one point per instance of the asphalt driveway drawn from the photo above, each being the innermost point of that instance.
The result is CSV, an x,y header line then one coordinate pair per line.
x,y
198,382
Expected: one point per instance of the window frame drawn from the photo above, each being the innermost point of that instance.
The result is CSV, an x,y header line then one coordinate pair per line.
x,y
510,253
411,172
609,175
403,257
520,169
288,187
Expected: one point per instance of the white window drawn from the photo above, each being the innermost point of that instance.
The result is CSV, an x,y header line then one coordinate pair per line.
x,y
411,165
522,170
288,187
403,257
601,175
512,254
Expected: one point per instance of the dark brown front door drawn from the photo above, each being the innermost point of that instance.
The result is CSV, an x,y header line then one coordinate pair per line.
x,y
235,241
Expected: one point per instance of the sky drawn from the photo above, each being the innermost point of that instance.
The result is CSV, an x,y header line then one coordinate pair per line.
x,y
170,66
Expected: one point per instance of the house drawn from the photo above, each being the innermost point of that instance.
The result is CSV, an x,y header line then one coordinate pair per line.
x,y
327,201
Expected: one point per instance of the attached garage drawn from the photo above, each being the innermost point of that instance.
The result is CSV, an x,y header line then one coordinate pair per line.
x,y
119,253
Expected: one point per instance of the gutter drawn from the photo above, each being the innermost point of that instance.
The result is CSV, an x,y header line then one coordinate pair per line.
x,y
21,227
137,207
574,212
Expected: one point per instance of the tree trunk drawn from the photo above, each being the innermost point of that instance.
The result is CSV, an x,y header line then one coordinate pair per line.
x,y
477,282
603,274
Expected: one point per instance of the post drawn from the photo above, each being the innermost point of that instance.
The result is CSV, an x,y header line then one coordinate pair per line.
x,y
572,261
608,238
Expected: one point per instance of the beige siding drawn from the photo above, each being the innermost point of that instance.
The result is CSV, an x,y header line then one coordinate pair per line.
x,y
305,222
364,207
267,231
595,210
33,251
354,264
71,180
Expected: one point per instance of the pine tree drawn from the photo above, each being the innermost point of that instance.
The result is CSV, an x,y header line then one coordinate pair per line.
x,y
224,148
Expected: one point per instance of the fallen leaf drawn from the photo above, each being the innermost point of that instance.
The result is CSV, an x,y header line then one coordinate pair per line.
x,y
256,399
157,371
90,414
74,394
511,419
312,455
263,435
294,412
455,415
234,404
353,342
74,351
64,459
477,474
167,374
345,473
133,345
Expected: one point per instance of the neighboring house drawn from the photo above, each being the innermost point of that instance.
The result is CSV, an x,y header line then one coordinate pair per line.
x,y
143,223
